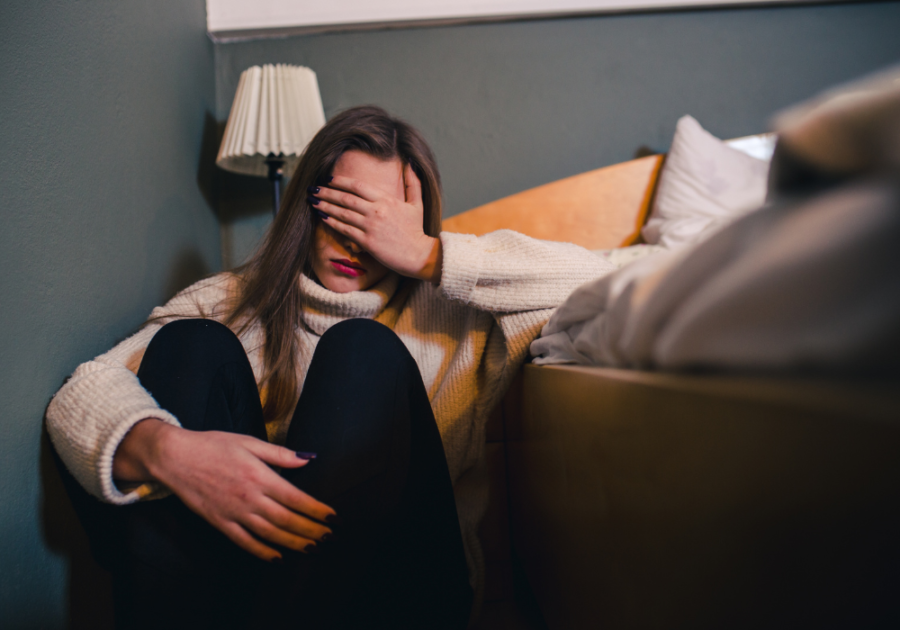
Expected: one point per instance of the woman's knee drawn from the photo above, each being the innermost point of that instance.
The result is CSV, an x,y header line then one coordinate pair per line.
x,y
197,369
194,332
364,340
194,339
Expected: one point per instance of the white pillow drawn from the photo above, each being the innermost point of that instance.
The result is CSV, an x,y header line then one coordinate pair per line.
x,y
704,184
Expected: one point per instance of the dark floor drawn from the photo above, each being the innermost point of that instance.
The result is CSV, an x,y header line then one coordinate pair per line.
x,y
507,615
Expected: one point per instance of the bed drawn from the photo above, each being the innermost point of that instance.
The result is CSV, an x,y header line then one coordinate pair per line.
x,y
633,498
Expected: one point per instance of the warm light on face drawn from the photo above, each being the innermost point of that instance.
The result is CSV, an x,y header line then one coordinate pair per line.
x,y
339,263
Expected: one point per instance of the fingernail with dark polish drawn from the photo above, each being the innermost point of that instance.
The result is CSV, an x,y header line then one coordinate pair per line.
x,y
311,548
322,215
313,189
334,519
328,536
277,560
313,200
306,455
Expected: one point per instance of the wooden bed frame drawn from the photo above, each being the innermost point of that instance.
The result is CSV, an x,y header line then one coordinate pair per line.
x,y
636,499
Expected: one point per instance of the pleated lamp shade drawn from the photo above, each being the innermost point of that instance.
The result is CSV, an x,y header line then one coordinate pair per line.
x,y
277,110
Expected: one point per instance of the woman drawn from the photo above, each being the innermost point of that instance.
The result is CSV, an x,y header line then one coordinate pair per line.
x,y
357,239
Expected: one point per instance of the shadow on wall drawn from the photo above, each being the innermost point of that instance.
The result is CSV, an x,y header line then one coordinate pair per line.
x,y
243,204
206,166
188,267
89,599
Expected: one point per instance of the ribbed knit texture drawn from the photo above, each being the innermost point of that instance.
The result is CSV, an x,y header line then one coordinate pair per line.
x,y
468,336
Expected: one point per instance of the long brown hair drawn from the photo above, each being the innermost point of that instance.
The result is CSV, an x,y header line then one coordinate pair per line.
x,y
268,289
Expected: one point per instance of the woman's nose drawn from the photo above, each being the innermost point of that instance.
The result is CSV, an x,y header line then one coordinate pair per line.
x,y
352,247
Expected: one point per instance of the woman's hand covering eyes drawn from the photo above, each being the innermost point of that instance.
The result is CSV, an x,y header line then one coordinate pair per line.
x,y
388,228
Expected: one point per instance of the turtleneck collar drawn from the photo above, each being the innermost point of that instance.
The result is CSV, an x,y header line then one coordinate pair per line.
x,y
325,308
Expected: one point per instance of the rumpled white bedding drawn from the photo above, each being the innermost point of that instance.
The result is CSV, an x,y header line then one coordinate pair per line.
x,y
813,284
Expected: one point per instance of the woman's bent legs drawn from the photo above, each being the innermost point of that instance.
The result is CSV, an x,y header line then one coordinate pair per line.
x,y
400,561
397,561
177,570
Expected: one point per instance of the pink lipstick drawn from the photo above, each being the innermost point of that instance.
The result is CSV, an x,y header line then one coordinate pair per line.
x,y
348,268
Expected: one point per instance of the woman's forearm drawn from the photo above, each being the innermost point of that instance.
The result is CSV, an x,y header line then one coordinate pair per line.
x,y
505,271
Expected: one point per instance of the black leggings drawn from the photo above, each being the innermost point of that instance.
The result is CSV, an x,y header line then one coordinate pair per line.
x,y
397,561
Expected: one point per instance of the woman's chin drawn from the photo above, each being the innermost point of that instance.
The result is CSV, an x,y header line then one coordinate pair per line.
x,y
342,284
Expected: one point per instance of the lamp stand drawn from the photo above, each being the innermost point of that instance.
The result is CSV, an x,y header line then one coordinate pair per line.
x,y
276,175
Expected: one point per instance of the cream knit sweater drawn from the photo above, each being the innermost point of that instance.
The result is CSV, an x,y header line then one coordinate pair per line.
x,y
468,336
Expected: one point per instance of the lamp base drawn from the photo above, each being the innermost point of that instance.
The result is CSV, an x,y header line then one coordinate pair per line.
x,y
276,176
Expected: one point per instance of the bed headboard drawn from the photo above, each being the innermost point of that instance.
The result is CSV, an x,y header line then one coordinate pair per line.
x,y
600,209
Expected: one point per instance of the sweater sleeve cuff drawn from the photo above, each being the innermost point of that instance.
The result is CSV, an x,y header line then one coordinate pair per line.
x,y
108,486
461,265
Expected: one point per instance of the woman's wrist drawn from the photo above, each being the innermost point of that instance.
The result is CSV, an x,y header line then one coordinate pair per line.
x,y
139,452
432,261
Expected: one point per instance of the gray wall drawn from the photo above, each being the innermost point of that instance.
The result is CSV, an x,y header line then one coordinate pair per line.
x,y
102,110
510,106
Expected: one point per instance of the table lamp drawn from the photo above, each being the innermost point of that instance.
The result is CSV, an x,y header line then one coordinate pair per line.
x,y
277,110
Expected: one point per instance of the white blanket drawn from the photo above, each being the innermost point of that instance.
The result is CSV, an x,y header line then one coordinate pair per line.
x,y
812,284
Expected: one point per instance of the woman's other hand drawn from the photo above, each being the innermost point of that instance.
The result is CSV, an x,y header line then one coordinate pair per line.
x,y
382,217
226,478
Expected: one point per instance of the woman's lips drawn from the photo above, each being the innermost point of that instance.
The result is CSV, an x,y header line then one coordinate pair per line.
x,y
348,268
